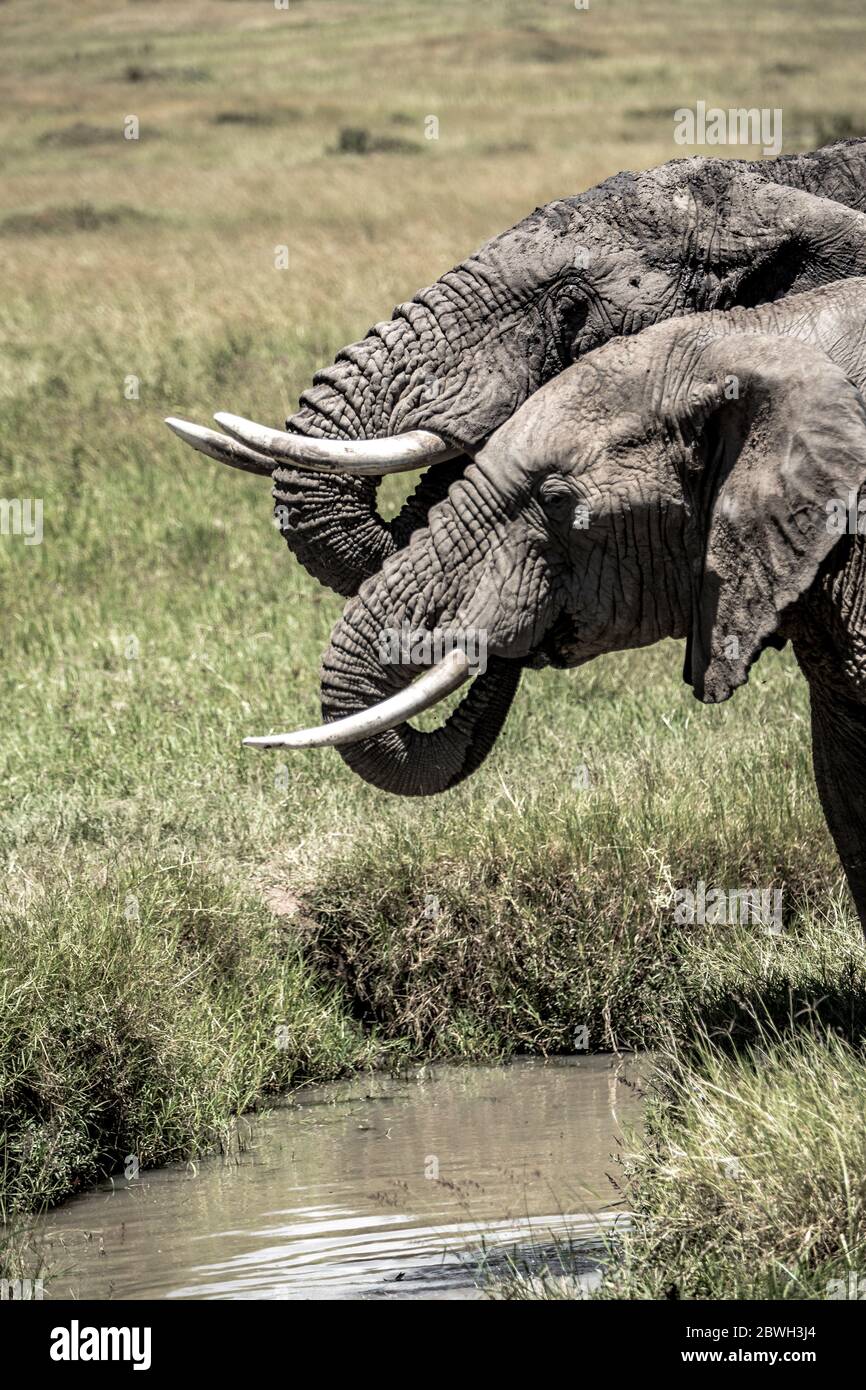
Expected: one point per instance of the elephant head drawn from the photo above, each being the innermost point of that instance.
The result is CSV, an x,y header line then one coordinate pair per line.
x,y
431,385
673,484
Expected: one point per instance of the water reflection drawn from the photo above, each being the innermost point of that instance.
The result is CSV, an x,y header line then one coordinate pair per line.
x,y
373,1187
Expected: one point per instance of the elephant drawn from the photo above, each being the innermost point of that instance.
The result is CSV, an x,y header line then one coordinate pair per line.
x,y
432,384
698,480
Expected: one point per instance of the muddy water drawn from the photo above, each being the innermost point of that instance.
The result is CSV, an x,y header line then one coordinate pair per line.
x,y
426,1186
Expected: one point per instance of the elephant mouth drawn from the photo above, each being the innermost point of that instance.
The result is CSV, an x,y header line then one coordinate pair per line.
x,y
560,648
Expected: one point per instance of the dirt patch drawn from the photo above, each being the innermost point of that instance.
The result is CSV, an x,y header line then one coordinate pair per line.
x,y
357,140
78,217
282,902
139,72
79,136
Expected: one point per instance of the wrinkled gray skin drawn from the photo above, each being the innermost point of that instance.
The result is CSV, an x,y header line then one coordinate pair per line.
x,y
705,452
465,353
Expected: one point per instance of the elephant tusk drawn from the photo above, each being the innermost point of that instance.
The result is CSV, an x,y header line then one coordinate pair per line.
x,y
220,447
447,675
360,458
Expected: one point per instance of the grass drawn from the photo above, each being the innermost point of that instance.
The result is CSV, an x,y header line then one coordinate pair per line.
x,y
166,1005
161,620
748,1182
751,1184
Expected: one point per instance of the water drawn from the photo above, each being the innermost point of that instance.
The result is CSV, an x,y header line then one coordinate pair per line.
x,y
425,1186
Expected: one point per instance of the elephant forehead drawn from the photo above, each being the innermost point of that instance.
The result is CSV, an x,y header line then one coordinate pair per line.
x,y
554,241
527,254
603,392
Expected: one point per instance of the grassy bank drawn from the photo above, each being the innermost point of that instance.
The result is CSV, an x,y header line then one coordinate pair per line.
x,y
747,1180
136,1024
750,1183
171,900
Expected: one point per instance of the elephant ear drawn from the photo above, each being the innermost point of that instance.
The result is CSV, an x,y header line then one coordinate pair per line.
x,y
774,437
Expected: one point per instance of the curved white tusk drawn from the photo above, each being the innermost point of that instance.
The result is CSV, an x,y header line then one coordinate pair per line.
x,y
220,447
449,673
361,458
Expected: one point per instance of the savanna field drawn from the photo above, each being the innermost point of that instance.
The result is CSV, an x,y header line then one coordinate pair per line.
x,y
190,927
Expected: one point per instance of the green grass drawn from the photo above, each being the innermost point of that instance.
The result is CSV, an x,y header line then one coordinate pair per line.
x,y
750,1181
162,619
141,1016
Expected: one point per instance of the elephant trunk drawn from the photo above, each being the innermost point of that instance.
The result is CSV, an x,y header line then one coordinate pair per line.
x,y
434,381
369,661
332,523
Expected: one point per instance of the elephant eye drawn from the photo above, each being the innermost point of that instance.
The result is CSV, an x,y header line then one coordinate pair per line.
x,y
554,494
565,309
572,325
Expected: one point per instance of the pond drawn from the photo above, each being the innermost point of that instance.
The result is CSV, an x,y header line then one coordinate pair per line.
x,y
428,1185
